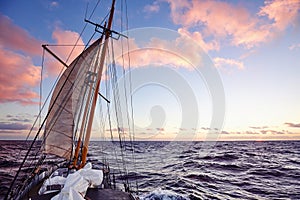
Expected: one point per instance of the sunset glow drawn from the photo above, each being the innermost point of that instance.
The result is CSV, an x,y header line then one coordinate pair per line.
x,y
254,46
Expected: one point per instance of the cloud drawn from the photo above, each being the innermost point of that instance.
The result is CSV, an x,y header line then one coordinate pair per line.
x,y
17,78
66,37
142,133
14,126
281,12
19,118
247,54
54,4
294,46
153,8
274,132
15,38
18,73
223,21
258,127
225,132
292,125
224,62
251,133
258,132
179,52
198,37
264,131
66,53
119,129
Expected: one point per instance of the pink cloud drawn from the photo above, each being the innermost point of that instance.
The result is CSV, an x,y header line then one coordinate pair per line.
x,y
282,12
180,52
198,37
224,21
66,37
18,73
66,53
224,62
17,78
15,38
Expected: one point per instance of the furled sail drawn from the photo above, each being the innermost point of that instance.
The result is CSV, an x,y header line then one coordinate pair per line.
x,y
67,102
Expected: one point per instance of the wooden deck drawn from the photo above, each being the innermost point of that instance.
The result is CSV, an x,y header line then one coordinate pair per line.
x,y
108,194
94,194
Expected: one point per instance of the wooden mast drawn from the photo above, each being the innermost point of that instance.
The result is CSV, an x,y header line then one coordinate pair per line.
x,y
92,111
84,119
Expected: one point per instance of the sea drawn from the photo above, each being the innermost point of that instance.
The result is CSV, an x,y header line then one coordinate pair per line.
x,y
172,170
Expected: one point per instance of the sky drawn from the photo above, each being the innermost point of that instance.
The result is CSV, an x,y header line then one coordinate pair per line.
x,y
226,69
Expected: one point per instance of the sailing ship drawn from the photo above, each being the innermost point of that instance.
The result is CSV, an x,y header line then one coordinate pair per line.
x,y
63,136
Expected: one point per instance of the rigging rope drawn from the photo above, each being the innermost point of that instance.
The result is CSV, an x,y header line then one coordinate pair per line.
x,y
108,83
125,82
118,112
43,122
131,94
41,86
121,128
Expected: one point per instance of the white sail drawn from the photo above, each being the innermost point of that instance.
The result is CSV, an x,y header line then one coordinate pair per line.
x,y
68,97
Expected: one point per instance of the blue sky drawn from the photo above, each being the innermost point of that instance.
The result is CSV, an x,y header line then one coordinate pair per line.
x,y
253,46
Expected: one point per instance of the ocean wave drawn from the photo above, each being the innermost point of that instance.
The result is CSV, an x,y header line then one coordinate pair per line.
x,y
231,170
199,177
160,194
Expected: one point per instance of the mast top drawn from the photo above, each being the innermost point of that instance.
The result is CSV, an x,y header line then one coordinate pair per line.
x,y
103,30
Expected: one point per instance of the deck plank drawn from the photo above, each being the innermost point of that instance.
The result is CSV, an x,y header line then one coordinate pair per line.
x,y
94,193
108,194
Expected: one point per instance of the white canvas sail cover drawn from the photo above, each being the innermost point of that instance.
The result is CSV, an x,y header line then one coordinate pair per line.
x,y
66,103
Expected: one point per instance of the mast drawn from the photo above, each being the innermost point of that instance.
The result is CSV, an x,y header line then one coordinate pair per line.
x,y
85,115
91,114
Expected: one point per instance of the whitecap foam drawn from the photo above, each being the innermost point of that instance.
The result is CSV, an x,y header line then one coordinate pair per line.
x,y
160,194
